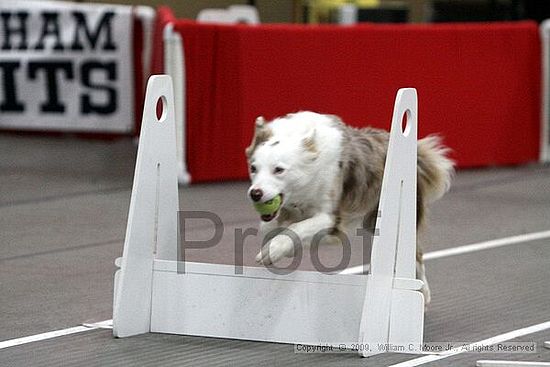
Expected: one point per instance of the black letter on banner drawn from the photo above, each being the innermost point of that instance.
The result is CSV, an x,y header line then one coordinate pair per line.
x,y
86,104
50,68
93,36
189,244
10,102
50,27
21,29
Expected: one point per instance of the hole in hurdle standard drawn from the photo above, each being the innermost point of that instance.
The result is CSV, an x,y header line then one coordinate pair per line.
x,y
405,126
161,108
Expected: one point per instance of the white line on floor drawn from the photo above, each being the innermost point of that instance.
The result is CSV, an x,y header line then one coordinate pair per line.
x,y
506,241
105,324
489,341
44,336
354,270
500,363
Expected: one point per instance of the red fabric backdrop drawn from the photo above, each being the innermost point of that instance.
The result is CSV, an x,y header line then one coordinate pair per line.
x,y
164,16
478,85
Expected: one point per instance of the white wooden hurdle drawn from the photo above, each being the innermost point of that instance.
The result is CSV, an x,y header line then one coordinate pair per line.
x,y
382,308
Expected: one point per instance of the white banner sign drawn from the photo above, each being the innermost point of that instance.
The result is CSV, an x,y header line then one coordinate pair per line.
x,y
66,66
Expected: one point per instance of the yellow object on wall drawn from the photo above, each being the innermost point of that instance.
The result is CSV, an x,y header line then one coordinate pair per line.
x,y
319,10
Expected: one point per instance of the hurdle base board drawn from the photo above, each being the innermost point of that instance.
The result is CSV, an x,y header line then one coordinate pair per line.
x,y
302,307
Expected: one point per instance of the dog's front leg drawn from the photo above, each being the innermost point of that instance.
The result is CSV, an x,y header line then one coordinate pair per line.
x,y
268,230
283,245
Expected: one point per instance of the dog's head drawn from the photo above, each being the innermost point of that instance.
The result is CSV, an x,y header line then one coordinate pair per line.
x,y
278,160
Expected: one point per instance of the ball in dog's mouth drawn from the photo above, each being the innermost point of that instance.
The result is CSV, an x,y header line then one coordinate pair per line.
x,y
269,209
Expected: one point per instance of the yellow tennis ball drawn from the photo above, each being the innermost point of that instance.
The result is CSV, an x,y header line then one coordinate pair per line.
x,y
269,207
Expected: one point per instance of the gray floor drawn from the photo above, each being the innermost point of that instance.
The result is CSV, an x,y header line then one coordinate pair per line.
x,y
64,203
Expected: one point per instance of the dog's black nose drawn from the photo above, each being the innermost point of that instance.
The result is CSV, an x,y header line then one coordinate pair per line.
x,y
256,194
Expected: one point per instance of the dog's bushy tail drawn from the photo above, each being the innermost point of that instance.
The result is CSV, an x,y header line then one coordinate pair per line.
x,y
435,169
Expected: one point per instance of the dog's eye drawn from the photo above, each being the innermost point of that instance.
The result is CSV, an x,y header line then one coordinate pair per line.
x,y
278,170
252,169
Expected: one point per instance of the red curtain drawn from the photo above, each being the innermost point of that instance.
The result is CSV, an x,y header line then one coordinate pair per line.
x,y
478,85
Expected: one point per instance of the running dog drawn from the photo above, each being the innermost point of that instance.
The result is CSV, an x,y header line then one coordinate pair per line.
x,y
329,176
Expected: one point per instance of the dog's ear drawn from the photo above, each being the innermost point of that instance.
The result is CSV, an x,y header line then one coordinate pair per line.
x,y
262,133
309,142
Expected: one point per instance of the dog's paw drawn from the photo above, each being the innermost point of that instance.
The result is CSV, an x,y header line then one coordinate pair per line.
x,y
275,250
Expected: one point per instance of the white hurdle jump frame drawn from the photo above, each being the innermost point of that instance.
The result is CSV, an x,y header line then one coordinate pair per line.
x,y
384,307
